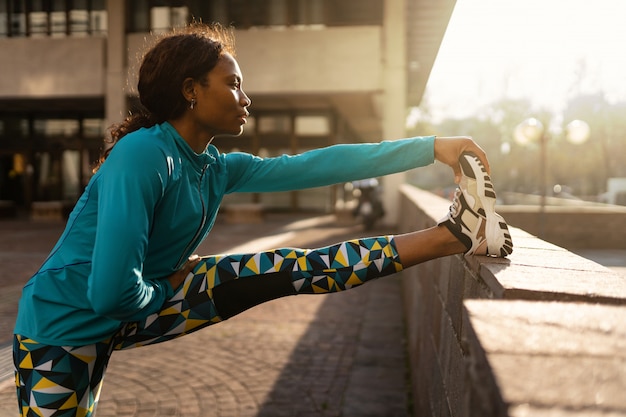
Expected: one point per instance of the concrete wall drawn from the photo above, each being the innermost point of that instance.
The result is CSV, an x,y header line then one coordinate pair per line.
x,y
541,333
49,67
292,60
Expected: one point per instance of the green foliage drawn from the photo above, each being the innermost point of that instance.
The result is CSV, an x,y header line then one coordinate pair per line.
x,y
582,168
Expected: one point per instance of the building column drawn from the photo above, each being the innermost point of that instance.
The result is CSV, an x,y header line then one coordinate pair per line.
x,y
115,96
394,94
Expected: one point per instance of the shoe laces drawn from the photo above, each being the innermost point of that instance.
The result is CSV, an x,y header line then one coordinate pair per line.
x,y
456,203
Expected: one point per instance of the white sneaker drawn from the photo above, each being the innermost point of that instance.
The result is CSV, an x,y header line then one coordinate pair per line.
x,y
472,217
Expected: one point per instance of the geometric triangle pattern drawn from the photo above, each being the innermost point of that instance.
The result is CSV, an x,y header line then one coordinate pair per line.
x,y
58,380
313,271
345,265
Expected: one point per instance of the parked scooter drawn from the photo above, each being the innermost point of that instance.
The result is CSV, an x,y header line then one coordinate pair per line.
x,y
369,208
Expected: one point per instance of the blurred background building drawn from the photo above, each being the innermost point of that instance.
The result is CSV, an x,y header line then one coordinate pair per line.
x,y
318,72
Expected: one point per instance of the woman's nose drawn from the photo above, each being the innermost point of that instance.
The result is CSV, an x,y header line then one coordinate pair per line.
x,y
245,100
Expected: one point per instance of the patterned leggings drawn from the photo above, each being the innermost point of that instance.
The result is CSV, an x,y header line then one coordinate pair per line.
x,y
66,381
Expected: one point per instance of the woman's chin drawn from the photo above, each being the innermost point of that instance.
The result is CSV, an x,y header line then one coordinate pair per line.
x,y
230,134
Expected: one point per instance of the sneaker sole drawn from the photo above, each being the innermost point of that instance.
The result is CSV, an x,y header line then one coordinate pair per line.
x,y
499,242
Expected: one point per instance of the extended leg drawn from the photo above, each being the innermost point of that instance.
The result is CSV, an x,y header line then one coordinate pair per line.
x,y
225,285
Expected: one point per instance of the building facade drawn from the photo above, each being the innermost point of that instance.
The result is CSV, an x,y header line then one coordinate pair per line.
x,y
318,72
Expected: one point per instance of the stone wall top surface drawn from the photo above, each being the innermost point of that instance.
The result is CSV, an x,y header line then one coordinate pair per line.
x,y
566,357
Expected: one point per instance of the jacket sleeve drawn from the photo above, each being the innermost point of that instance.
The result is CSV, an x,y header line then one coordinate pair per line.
x,y
325,166
128,192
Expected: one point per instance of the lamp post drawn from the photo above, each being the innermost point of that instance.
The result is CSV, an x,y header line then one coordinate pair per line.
x,y
532,131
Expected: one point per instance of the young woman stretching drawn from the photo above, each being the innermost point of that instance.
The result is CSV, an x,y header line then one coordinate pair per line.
x,y
123,273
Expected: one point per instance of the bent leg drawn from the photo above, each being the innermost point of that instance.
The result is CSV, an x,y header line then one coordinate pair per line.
x,y
225,285
58,380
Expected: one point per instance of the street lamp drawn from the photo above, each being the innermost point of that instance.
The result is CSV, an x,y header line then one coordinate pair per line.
x,y
532,131
577,132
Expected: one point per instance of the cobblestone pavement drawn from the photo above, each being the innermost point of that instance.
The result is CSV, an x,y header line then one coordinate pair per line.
x,y
332,355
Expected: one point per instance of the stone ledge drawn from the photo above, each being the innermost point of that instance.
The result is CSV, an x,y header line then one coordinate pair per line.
x,y
539,271
569,358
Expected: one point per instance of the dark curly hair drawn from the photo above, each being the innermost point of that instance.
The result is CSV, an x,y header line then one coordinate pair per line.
x,y
185,53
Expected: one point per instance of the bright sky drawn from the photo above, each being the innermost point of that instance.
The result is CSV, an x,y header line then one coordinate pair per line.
x,y
536,49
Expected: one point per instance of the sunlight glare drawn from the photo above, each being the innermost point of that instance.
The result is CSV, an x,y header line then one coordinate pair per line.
x,y
546,51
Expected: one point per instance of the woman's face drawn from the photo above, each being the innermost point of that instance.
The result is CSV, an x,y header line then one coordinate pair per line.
x,y
221,105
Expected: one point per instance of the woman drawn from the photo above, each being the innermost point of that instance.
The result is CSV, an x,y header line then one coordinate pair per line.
x,y
123,273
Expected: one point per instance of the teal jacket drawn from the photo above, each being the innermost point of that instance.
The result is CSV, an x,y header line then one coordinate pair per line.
x,y
147,209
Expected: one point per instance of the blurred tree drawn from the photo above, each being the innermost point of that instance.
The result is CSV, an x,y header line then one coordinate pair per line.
x,y
586,167
583,168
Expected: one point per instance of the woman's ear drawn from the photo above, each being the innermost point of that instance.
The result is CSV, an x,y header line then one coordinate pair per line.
x,y
189,89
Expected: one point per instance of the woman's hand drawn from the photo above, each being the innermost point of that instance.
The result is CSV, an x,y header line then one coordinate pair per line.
x,y
449,149
178,277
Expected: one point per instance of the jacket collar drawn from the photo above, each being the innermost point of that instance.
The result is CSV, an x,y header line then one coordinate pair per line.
x,y
199,160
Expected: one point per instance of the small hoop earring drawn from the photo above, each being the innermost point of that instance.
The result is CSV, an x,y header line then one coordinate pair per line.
x,y
193,103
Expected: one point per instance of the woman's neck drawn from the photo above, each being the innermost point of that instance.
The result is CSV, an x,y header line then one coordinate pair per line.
x,y
197,139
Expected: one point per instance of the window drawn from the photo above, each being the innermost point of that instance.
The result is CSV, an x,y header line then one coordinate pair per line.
x,y
17,18
56,18
312,125
138,16
56,127
218,11
278,13
164,18
274,124
349,13
79,24
93,128
13,127
4,16
158,16
38,19
70,171
244,13
98,18
309,12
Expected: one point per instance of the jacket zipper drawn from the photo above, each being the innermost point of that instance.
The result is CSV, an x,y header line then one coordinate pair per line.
x,y
184,255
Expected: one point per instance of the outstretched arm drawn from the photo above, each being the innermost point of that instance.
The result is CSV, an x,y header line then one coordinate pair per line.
x,y
326,166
